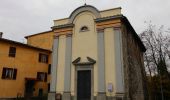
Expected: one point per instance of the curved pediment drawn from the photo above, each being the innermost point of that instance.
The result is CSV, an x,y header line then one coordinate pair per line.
x,y
89,62
85,8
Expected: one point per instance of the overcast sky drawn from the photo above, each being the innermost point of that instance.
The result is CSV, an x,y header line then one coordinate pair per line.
x,y
19,18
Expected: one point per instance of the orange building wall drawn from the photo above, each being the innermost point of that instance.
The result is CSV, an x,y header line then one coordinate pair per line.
x,y
27,64
42,40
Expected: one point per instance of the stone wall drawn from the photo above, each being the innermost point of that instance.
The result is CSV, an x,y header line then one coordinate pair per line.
x,y
133,66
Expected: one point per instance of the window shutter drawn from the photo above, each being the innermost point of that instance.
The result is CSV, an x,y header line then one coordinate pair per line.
x,y
38,76
14,51
15,74
49,69
39,57
46,58
3,73
45,80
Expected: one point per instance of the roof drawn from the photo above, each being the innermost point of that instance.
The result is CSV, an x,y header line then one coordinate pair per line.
x,y
125,20
22,44
108,18
38,33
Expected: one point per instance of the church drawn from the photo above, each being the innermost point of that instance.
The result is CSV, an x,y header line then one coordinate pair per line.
x,y
96,55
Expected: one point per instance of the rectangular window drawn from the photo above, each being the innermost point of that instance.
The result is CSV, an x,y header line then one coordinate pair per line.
x,y
42,76
43,58
49,69
12,52
9,73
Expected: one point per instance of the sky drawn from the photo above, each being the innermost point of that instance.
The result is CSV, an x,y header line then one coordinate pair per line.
x,y
19,18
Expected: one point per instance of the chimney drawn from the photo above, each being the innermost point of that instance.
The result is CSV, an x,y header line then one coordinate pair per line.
x,y
1,33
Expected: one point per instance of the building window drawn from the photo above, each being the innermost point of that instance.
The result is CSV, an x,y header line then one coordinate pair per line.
x,y
49,69
43,58
9,73
84,28
12,52
42,76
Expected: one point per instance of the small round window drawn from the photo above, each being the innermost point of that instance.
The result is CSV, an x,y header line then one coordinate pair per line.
x,y
84,28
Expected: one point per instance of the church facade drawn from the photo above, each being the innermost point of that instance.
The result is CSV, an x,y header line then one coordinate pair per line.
x,y
97,55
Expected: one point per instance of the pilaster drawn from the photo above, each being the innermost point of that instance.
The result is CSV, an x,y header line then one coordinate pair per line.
x,y
119,89
52,93
67,70
101,65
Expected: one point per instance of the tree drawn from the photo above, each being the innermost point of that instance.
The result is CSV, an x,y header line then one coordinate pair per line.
x,y
157,43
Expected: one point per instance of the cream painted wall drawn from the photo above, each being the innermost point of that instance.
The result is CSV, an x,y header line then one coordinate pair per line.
x,y
61,21
61,64
109,59
84,44
110,12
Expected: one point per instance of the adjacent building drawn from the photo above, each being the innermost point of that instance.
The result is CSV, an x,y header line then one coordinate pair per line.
x,y
25,70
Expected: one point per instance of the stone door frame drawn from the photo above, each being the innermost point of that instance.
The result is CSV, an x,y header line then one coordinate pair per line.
x,y
81,68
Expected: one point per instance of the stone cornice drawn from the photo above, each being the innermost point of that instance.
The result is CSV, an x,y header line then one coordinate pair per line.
x,y
63,26
100,30
98,20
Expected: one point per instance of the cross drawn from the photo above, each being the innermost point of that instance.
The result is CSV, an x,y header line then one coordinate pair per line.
x,y
84,2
